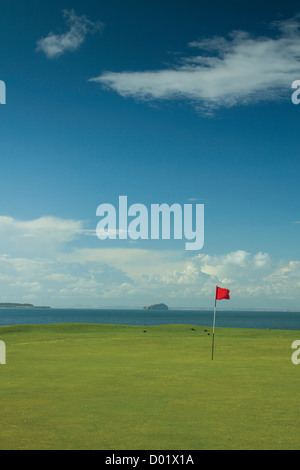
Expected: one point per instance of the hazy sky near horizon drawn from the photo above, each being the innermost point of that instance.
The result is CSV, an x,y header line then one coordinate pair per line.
x,y
164,102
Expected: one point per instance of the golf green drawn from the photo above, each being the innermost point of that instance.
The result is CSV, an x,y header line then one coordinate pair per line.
x,y
87,386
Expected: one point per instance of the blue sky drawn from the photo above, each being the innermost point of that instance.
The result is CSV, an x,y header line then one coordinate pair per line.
x,y
165,102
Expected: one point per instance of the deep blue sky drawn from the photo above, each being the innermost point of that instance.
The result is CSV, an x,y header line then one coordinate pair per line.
x,y
68,145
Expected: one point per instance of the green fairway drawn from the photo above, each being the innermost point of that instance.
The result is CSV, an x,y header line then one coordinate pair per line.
x,y
120,387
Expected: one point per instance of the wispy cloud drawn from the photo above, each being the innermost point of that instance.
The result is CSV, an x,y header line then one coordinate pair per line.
x,y
55,45
38,236
238,70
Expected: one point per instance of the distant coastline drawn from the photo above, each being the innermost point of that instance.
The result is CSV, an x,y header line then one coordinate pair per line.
x,y
17,305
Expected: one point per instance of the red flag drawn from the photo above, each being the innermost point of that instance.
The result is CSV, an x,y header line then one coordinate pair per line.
x,y
222,293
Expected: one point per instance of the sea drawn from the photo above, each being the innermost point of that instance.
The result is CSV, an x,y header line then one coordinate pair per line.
x,y
279,320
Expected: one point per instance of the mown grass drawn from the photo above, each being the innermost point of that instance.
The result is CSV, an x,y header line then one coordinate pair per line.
x,y
111,387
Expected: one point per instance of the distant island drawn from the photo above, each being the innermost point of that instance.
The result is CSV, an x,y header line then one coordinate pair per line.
x,y
16,305
156,307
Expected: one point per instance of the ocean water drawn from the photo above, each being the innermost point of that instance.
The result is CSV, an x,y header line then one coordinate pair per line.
x,y
228,319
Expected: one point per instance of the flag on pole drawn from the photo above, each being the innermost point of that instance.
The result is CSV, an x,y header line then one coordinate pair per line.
x,y
220,294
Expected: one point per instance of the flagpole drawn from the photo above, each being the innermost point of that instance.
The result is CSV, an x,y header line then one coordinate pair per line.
x,y
220,294
213,339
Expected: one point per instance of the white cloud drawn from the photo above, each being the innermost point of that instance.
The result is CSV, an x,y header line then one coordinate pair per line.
x,y
50,227
285,272
261,259
38,237
169,275
237,70
39,260
55,45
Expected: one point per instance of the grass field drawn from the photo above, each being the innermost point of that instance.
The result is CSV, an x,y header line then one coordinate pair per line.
x,y
117,387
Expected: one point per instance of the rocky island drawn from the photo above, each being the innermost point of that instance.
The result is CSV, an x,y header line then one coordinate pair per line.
x,y
156,307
